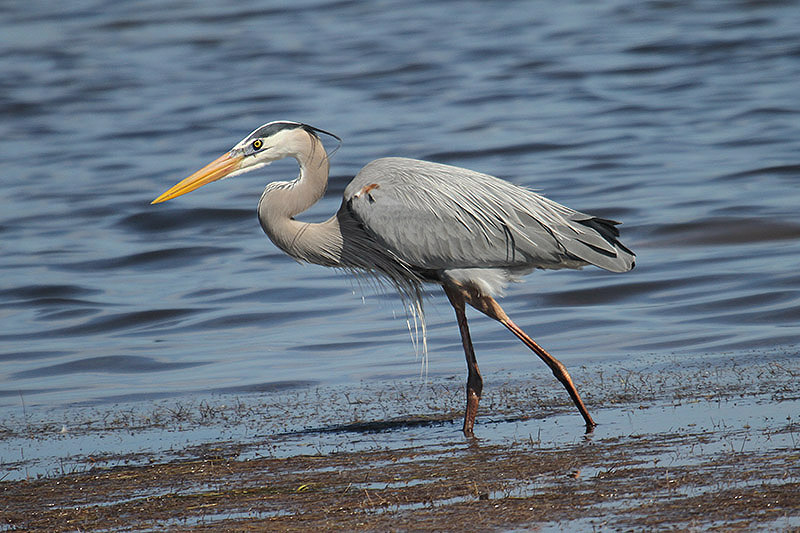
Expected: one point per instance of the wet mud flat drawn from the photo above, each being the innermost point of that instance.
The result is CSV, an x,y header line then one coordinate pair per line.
x,y
688,446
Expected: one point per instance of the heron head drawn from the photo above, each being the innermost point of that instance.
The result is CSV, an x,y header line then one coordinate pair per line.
x,y
267,143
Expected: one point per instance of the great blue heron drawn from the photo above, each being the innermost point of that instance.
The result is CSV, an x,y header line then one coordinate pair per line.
x,y
412,222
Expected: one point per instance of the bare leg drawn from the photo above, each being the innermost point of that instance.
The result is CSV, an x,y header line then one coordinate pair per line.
x,y
474,379
558,368
490,307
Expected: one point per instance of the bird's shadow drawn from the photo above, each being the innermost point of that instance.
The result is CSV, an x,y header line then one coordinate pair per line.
x,y
400,423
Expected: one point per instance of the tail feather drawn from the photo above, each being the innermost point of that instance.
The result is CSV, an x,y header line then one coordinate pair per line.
x,y
601,247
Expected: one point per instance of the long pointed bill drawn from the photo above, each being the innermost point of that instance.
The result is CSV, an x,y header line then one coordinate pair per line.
x,y
217,169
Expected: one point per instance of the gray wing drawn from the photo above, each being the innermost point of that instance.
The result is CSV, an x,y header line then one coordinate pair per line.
x,y
436,216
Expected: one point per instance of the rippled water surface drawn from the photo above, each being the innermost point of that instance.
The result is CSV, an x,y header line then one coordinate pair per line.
x,y
682,119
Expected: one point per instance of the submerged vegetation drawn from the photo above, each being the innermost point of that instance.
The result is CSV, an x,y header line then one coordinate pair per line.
x,y
713,447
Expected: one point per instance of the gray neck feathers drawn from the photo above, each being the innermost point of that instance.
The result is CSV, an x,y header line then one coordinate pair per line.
x,y
281,201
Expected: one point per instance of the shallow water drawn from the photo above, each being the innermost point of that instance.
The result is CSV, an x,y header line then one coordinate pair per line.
x,y
681,120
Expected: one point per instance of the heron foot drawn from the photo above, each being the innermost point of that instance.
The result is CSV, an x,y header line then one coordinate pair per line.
x,y
473,398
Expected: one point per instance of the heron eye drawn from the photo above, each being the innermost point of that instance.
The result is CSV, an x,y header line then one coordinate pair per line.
x,y
257,144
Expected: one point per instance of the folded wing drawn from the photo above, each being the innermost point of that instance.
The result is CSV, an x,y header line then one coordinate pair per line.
x,y
438,217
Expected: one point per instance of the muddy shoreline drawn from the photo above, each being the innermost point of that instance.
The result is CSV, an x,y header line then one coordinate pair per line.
x,y
719,449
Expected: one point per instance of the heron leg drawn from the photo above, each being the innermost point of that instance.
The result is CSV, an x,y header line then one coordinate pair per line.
x,y
474,379
490,307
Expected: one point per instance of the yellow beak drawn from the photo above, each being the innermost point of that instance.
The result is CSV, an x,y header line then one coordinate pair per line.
x,y
217,169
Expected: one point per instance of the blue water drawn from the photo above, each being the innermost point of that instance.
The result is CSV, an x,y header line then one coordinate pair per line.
x,y
681,119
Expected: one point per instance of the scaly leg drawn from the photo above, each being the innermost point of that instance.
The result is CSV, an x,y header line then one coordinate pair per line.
x,y
490,307
474,379
558,368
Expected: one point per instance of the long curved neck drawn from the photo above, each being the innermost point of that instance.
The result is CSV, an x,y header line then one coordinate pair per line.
x,y
281,201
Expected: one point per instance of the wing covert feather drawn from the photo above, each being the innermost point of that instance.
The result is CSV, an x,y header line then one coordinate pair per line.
x,y
436,216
